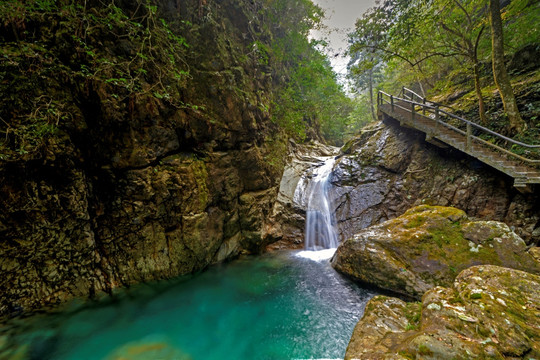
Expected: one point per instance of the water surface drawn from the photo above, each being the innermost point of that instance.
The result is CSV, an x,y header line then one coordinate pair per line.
x,y
284,305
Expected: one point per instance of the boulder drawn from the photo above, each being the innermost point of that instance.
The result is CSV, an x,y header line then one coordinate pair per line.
x,y
427,247
490,312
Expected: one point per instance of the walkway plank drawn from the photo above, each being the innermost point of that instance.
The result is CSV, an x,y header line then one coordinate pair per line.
x,y
414,111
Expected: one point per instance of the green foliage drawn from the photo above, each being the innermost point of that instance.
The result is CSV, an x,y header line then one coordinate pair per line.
x,y
121,54
313,98
309,102
436,44
521,18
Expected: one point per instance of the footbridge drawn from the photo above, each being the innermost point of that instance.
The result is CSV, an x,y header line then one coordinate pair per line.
x,y
442,128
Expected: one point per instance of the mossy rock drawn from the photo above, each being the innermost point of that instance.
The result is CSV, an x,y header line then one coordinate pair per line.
x,y
428,246
491,312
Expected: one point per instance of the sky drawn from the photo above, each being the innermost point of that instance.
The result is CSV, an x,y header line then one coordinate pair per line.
x,y
340,18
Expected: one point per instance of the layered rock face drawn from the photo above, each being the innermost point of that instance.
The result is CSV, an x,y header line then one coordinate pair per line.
x,y
288,217
137,188
490,312
389,169
427,247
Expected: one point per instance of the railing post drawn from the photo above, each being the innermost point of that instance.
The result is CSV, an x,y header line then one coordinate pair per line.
x,y
392,102
469,137
424,107
437,118
412,111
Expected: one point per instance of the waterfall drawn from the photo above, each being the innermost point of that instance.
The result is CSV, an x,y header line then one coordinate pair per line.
x,y
320,232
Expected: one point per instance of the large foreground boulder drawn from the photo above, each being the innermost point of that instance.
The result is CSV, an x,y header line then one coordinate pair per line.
x,y
490,312
427,247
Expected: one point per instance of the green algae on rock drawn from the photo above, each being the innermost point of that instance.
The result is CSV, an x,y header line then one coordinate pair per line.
x,y
427,247
491,312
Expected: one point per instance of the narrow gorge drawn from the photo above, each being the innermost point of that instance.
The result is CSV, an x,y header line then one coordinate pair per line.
x,y
196,180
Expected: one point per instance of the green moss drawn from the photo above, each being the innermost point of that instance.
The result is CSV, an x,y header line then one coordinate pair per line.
x,y
276,154
413,313
406,354
415,221
198,168
424,350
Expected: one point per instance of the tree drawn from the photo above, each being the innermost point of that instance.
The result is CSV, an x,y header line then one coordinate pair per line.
x,y
369,51
516,123
463,21
309,103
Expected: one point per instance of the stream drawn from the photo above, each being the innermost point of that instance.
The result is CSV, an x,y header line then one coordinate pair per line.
x,y
281,305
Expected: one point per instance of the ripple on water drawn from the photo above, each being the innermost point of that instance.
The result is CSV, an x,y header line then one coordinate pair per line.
x,y
283,305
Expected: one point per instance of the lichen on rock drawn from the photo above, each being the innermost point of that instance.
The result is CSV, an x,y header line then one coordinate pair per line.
x,y
428,246
490,312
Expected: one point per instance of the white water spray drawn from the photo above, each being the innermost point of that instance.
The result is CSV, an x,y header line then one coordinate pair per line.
x,y
320,230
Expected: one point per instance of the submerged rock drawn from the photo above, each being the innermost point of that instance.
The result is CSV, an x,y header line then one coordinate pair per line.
x,y
147,351
490,312
427,247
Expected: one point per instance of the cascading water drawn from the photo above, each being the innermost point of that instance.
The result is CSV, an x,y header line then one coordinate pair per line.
x,y
320,232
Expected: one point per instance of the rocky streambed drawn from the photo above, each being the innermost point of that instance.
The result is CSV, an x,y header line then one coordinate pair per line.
x,y
448,235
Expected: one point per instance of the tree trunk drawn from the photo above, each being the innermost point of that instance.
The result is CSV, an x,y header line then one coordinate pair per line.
x,y
371,95
516,123
478,90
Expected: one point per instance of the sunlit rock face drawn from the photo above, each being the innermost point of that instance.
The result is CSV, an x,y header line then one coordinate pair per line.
x,y
489,312
388,169
427,247
288,221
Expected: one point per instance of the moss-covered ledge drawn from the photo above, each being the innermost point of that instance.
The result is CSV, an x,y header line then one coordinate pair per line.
x,y
491,312
427,247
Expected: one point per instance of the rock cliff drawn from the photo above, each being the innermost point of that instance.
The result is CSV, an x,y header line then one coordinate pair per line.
x,y
138,144
388,169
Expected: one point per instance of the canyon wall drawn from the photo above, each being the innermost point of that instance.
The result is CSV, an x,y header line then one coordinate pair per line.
x,y
109,180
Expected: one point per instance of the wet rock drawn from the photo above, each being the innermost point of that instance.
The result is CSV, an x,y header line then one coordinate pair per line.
x,y
427,247
489,312
287,221
147,351
132,188
388,169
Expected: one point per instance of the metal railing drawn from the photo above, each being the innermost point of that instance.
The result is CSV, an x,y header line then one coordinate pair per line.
x,y
410,95
441,119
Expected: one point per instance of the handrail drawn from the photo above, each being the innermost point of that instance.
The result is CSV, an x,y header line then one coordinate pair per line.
x,y
424,100
463,120
433,108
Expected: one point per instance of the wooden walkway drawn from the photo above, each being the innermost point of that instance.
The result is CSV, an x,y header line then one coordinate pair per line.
x,y
518,160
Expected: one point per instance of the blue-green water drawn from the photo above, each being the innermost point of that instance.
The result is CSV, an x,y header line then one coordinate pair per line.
x,y
275,306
